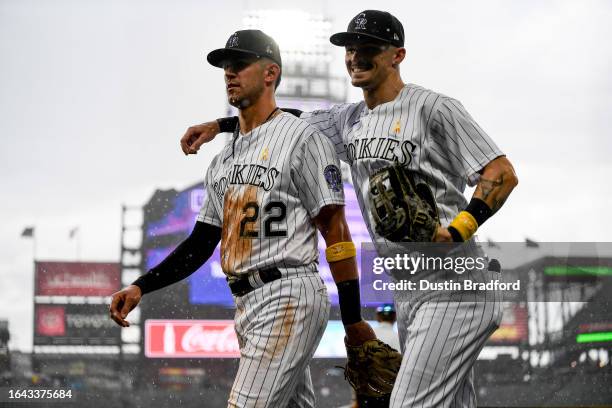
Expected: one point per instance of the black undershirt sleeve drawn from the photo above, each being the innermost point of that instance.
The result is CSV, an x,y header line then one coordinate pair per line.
x,y
294,112
184,260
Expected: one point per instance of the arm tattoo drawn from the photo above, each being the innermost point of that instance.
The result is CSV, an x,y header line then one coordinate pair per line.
x,y
493,190
489,186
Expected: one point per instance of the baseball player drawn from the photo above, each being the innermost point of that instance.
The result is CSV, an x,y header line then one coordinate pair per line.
x,y
386,317
272,186
433,137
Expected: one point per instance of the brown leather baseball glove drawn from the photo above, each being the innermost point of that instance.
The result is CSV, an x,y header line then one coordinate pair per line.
x,y
371,370
402,210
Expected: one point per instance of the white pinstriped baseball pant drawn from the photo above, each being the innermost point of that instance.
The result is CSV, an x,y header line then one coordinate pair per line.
x,y
279,326
441,339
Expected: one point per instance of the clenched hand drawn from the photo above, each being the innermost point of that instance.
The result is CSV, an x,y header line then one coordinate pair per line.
x,y
197,135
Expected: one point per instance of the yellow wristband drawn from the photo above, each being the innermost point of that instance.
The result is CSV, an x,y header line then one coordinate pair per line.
x,y
465,224
340,251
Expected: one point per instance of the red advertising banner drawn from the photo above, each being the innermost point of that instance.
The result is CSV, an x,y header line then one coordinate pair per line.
x,y
77,278
191,339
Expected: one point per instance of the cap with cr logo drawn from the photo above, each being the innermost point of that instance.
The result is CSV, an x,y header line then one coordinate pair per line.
x,y
371,25
246,43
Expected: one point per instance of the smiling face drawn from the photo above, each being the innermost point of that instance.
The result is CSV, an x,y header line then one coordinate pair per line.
x,y
369,64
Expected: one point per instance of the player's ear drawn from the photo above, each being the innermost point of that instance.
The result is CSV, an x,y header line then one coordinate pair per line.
x,y
399,55
272,72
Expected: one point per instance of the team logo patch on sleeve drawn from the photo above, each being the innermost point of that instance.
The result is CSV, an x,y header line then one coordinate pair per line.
x,y
333,177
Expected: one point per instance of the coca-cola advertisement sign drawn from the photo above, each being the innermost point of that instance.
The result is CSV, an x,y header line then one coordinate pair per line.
x,y
77,278
191,339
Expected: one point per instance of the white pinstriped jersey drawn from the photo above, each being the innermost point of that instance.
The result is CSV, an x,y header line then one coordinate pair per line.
x,y
433,136
429,133
264,188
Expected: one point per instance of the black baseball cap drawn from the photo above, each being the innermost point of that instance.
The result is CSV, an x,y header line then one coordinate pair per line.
x,y
246,43
371,25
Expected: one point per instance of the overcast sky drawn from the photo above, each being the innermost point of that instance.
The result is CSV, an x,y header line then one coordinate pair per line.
x,y
94,96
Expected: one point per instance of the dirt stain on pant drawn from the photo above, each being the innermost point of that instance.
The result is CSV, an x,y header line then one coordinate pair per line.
x,y
282,331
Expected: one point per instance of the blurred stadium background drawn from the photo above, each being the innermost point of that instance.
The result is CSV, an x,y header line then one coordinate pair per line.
x,y
181,350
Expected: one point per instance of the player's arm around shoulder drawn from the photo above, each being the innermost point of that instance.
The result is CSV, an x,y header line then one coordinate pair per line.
x,y
340,254
332,119
197,135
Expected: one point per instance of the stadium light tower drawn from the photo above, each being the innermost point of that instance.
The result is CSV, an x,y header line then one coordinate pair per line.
x,y
303,38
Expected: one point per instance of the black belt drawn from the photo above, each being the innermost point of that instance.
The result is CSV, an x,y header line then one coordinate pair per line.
x,y
242,286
